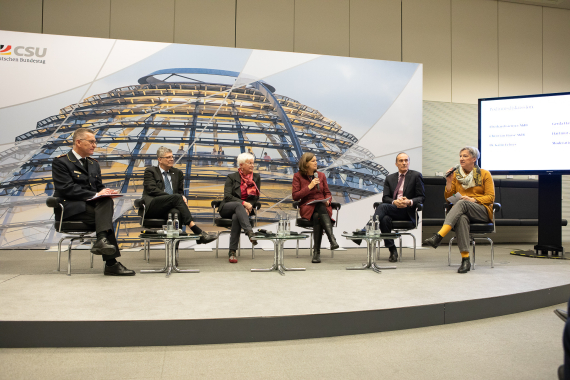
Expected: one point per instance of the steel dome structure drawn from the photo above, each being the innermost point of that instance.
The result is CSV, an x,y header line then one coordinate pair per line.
x,y
207,124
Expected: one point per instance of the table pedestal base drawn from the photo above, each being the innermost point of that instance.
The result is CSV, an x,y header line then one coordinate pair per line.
x,y
170,260
278,264
371,264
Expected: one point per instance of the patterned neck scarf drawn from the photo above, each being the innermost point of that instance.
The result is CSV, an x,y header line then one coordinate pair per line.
x,y
248,183
469,180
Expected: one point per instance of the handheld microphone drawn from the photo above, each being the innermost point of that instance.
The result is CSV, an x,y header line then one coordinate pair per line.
x,y
316,175
451,171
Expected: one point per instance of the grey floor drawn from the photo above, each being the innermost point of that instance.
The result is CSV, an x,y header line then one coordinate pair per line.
x,y
518,346
31,289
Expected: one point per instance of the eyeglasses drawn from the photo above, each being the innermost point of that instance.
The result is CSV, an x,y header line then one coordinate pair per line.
x,y
92,142
168,158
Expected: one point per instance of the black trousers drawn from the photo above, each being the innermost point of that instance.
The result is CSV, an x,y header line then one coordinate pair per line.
x,y
387,212
319,213
240,220
164,204
100,214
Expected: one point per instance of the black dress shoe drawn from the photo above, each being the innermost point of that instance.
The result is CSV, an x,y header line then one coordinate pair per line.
x,y
316,257
250,236
102,247
465,265
206,238
434,241
393,255
562,314
118,269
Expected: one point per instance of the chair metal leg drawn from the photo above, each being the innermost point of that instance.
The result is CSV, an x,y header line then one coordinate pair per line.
x,y
91,254
297,251
449,252
493,254
217,244
252,252
400,258
473,254
59,253
414,245
239,247
69,257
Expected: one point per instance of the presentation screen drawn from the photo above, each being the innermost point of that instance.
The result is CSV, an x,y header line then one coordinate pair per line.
x,y
525,134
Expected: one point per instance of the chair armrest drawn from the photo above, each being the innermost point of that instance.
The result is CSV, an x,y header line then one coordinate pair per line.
x,y
139,203
376,204
53,202
257,205
447,206
335,205
216,204
295,204
418,206
496,207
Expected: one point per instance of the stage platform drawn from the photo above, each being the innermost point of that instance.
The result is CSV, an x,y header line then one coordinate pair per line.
x,y
226,303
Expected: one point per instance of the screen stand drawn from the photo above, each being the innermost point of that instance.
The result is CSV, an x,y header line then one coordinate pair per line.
x,y
549,215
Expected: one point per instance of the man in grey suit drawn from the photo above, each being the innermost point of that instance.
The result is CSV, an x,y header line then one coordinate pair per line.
x,y
402,190
164,193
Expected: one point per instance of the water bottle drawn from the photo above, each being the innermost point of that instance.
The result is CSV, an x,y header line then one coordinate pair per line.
x,y
169,226
377,226
280,226
176,232
287,226
370,226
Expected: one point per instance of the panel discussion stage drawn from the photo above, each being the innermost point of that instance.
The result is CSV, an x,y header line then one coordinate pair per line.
x,y
227,303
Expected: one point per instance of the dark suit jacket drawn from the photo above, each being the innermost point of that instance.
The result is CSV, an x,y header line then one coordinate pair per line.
x,y
232,190
413,189
74,184
154,183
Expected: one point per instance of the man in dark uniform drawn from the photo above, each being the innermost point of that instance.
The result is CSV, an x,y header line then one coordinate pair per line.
x,y
77,178
164,193
401,191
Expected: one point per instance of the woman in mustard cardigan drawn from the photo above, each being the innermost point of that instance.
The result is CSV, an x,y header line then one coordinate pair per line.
x,y
476,205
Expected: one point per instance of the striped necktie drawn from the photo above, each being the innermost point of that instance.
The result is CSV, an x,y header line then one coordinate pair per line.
x,y
167,185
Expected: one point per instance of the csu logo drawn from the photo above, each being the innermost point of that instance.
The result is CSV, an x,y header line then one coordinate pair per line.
x,y
23,51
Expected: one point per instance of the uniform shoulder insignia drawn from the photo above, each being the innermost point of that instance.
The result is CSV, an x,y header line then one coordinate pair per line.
x,y
62,155
91,158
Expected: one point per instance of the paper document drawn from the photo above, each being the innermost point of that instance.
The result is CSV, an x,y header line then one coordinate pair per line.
x,y
104,196
455,198
318,200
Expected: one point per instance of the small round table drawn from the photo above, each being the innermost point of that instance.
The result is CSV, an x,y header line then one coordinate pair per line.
x,y
278,242
371,250
170,253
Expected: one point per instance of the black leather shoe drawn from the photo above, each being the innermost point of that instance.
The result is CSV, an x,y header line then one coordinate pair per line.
x,y
118,269
562,314
206,238
103,247
316,257
250,236
393,254
434,241
465,265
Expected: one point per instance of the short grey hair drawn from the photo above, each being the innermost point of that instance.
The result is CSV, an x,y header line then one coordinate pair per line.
x,y
80,132
242,158
474,152
402,153
160,152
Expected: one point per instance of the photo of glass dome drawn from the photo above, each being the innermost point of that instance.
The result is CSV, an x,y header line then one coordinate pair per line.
x,y
207,123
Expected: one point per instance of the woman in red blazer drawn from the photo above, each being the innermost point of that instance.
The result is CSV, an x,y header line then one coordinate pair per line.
x,y
307,188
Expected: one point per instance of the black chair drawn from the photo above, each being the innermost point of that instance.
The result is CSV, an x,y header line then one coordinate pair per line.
x,y
73,230
477,231
403,226
308,224
227,224
151,224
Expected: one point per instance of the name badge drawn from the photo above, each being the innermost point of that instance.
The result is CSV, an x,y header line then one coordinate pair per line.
x,y
75,171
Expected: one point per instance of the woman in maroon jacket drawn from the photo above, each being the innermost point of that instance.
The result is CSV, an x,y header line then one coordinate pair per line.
x,y
306,188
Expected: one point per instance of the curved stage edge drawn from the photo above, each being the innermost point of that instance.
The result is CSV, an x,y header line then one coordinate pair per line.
x,y
17,334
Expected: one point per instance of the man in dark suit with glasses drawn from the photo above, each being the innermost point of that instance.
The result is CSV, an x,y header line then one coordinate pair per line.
x,y
164,193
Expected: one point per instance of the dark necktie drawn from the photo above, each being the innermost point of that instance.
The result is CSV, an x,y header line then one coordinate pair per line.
x,y
400,180
167,185
84,163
